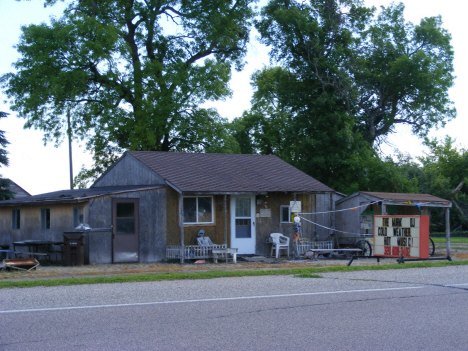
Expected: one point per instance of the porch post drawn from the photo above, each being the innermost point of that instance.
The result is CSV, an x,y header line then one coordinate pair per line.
x,y
181,226
447,231
225,220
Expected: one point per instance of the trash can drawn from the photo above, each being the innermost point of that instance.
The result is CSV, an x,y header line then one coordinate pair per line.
x,y
73,248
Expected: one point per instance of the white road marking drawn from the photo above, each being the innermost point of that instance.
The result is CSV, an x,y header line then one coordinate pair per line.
x,y
456,284
204,300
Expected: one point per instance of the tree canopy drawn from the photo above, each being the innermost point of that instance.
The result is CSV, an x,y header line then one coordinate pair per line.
x,y
132,74
342,76
444,173
384,70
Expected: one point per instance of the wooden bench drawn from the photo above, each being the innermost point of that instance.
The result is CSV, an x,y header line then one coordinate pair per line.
x,y
223,253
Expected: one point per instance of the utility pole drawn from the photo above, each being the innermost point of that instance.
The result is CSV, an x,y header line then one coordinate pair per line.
x,y
69,132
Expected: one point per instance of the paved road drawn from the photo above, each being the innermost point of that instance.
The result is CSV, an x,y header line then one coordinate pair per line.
x,y
412,309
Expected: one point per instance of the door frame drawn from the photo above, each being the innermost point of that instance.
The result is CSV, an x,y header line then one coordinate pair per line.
x,y
136,202
252,246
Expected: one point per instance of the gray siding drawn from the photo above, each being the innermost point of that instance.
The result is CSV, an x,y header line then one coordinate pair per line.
x,y
349,220
324,203
152,234
61,220
129,171
19,192
98,214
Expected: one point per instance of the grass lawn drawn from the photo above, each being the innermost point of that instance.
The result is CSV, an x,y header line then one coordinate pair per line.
x,y
458,240
297,272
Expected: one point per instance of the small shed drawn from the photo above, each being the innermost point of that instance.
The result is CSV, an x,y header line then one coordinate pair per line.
x,y
355,213
113,213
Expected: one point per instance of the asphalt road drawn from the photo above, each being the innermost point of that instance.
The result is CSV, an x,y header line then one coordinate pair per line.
x,y
411,309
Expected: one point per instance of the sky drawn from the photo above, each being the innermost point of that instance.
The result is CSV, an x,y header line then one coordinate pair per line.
x,y
40,168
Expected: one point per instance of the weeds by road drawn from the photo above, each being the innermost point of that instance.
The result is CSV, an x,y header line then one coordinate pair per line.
x,y
299,272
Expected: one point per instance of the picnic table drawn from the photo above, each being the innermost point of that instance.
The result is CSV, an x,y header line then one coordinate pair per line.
x,y
38,248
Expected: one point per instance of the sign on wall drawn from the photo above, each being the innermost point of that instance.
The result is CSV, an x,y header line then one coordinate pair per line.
x,y
295,206
396,236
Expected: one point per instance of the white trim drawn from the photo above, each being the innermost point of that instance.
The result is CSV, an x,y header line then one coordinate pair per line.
x,y
281,214
196,209
244,245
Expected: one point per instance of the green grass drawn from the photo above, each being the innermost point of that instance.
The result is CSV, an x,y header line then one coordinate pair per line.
x,y
455,240
300,272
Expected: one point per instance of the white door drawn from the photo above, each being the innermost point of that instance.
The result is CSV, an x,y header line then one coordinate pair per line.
x,y
243,224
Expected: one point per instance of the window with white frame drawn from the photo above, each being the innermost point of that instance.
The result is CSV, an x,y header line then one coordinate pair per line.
x,y
45,218
285,214
15,219
198,209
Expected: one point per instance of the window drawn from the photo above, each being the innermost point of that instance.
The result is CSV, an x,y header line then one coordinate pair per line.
x,y
15,219
125,218
45,218
285,214
198,209
78,216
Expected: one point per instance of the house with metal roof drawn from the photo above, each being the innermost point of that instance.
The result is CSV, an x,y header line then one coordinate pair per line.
x,y
148,200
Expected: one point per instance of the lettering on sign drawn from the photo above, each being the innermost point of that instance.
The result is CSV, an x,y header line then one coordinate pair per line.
x,y
382,231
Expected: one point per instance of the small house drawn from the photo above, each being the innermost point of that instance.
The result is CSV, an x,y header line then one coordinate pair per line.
x,y
147,201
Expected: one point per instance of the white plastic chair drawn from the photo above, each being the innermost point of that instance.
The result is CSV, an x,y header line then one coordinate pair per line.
x,y
279,242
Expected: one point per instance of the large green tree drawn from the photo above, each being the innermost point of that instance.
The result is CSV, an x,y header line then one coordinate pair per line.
x,y
317,135
5,192
385,70
445,174
131,74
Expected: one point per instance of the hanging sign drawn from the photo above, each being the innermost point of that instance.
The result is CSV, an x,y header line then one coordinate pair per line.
x,y
396,236
295,206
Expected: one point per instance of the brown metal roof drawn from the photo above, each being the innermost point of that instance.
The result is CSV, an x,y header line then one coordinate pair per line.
x,y
228,173
405,197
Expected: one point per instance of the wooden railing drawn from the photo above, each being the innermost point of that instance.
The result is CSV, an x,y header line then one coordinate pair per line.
x,y
306,246
192,252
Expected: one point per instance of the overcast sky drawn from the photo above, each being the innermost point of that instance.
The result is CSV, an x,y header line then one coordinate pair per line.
x,y
39,169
